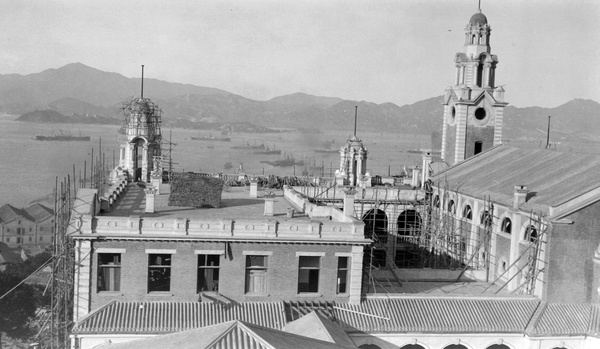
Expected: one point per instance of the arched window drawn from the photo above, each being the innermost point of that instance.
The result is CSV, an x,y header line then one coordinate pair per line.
x,y
486,219
506,226
455,346
474,39
467,212
498,346
436,201
369,346
451,207
531,234
412,346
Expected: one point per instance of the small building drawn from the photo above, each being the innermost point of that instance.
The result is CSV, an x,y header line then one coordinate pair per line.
x,y
30,229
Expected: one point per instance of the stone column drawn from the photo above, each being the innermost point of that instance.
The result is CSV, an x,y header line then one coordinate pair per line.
x,y
486,82
82,275
514,250
427,158
355,284
145,163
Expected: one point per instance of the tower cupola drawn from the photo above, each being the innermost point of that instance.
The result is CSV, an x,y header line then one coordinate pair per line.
x,y
140,137
473,105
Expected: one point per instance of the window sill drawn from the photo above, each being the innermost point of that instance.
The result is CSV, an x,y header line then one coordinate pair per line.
x,y
160,294
309,295
256,294
109,293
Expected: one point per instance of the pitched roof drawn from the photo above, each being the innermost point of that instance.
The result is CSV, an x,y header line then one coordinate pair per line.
x,y
572,319
552,177
407,314
228,335
318,326
164,317
39,212
9,213
425,314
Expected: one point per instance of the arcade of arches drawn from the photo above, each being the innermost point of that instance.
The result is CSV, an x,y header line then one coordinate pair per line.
x,y
451,346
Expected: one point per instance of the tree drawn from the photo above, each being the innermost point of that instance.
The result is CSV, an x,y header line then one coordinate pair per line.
x,y
17,308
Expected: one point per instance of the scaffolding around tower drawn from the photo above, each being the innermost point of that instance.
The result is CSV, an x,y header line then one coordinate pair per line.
x,y
140,137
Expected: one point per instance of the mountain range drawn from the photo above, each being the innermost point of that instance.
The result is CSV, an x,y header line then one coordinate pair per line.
x,y
83,94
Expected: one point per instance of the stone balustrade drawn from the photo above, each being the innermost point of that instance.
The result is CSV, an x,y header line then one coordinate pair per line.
x,y
221,228
114,192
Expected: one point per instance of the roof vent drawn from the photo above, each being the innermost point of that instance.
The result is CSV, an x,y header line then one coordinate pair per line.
x,y
520,196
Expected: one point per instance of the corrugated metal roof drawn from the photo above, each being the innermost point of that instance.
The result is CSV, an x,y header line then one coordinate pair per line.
x,y
320,327
552,177
391,315
568,319
228,335
425,315
165,317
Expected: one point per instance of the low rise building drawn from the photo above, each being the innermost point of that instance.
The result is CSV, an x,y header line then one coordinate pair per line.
x,y
30,229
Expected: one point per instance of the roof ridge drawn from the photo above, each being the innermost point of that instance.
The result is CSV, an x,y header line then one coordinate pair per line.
x,y
94,312
535,317
246,327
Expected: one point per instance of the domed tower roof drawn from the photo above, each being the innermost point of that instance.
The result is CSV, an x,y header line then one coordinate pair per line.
x,y
478,19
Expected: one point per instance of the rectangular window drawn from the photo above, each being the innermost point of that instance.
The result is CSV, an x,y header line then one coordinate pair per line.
x,y
41,228
308,274
159,273
30,229
109,272
342,275
30,238
19,240
256,274
20,231
41,238
8,230
208,272
7,239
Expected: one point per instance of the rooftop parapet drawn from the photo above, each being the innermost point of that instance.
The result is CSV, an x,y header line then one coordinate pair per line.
x,y
241,218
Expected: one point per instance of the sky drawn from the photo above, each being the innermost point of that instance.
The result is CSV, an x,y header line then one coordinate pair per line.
x,y
379,51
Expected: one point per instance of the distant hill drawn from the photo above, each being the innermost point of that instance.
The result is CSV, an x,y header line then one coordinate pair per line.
x,y
53,117
77,93
23,93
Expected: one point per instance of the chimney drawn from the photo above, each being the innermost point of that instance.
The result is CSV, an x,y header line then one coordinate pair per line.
x,y
349,202
269,210
520,195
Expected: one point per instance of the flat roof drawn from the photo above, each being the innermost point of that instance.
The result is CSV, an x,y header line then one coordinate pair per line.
x,y
236,203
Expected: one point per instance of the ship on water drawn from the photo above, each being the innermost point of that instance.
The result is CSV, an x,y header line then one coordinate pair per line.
x,y
211,138
63,137
268,151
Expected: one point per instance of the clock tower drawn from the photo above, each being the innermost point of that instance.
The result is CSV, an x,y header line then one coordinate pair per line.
x,y
473,105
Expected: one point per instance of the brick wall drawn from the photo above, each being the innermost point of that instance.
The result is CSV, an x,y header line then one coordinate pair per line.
x,y
571,253
282,275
